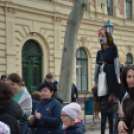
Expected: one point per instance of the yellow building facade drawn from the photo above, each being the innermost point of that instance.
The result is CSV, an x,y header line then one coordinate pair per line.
x,y
32,37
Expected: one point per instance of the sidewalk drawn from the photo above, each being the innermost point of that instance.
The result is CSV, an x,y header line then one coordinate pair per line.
x,y
89,118
97,132
92,128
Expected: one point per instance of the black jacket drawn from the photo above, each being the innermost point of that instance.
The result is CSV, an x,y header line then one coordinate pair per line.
x,y
78,128
10,113
74,93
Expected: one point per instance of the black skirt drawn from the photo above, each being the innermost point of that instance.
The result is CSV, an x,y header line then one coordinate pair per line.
x,y
113,86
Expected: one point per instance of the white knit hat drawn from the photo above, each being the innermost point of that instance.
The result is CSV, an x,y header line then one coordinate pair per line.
x,y
73,110
4,129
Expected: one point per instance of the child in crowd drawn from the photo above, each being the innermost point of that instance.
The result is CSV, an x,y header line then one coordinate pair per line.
x,y
69,117
36,97
4,129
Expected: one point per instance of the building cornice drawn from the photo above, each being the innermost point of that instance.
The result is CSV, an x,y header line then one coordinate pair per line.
x,y
56,10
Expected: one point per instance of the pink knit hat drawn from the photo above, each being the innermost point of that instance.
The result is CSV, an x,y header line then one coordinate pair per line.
x,y
73,110
4,129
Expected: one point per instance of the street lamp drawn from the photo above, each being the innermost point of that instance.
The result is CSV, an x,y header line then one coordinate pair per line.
x,y
109,27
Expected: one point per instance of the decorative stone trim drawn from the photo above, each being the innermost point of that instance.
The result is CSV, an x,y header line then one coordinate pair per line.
x,y
10,11
121,6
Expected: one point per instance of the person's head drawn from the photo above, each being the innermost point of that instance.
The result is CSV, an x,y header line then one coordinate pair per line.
x,y
105,39
127,79
49,78
5,93
122,59
70,114
36,95
14,81
3,78
47,90
56,83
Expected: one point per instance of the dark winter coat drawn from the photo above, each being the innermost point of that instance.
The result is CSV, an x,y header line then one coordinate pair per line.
x,y
74,93
34,102
78,128
50,122
10,113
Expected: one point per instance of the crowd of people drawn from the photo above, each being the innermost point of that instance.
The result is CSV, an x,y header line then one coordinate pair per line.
x,y
114,87
42,112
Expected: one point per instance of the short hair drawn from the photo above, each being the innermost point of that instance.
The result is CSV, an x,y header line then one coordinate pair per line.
x,y
14,77
5,93
48,85
3,76
124,75
36,95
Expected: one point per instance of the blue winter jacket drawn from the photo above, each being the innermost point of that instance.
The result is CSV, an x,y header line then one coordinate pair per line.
x,y
50,122
78,128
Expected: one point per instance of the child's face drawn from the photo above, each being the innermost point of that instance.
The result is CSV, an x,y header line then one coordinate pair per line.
x,y
66,119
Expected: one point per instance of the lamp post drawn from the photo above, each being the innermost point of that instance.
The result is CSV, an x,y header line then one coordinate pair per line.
x,y
109,27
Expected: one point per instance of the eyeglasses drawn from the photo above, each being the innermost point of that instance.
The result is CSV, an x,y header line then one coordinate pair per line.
x,y
64,115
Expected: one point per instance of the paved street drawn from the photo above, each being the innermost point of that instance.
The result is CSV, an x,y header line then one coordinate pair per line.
x,y
97,132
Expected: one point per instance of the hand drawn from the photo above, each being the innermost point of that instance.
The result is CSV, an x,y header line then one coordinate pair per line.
x,y
133,131
119,80
121,127
31,118
37,115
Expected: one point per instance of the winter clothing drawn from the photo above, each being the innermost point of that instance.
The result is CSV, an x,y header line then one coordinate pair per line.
x,y
25,102
49,76
78,128
73,110
50,122
34,103
10,113
4,129
74,93
55,82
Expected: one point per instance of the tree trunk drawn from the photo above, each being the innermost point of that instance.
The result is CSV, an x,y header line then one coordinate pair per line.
x,y
69,50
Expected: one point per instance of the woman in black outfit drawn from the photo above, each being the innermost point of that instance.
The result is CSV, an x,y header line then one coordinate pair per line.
x,y
10,111
108,55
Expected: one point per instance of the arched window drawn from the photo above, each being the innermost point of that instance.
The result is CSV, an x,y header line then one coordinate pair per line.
x,y
81,70
129,59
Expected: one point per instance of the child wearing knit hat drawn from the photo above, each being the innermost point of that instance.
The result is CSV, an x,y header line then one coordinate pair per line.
x,y
4,129
69,117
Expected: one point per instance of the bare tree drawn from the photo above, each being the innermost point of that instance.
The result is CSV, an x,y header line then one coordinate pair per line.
x,y
69,50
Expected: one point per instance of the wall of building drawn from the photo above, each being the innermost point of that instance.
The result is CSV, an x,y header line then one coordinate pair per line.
x,y
20,19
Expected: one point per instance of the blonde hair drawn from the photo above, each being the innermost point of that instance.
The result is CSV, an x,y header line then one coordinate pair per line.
x,y
122,59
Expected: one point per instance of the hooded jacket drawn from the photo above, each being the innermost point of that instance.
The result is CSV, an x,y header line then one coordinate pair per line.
x,y
78,128
10,113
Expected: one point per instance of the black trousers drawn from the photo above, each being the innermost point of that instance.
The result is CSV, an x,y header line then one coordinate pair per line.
x,y
104,120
